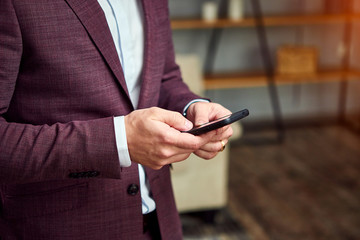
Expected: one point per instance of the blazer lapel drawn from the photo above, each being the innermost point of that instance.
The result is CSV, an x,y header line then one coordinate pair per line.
x,y
93,19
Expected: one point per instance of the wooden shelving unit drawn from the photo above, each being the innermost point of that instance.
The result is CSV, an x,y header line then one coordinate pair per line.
x,y
269,77
253,79
259,79
178,24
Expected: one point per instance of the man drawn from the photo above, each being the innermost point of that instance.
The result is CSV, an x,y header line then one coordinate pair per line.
x,y
91,105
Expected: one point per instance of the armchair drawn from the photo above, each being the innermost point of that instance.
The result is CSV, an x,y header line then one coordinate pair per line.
x,y
199,184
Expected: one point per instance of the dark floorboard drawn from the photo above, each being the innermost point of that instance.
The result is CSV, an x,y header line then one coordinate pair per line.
x,y
307,187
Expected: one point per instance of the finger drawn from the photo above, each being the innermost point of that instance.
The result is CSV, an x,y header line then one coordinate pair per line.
x,y
221,131
205,155
173,119
171,142
179,158
214,146
222,134
187,141
159,163
201,116
218,111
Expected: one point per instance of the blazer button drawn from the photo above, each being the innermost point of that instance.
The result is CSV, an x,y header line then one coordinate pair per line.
x,y
133,189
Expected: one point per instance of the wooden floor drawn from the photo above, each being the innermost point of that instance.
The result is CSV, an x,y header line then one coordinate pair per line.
x,y
305,188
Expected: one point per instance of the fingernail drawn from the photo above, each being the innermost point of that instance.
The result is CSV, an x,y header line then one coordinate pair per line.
x,y
188,124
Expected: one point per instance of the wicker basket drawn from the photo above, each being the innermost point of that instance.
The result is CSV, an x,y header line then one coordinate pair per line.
x,y
297,60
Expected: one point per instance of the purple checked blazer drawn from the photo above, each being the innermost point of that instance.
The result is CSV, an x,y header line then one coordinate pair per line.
x,y
61,84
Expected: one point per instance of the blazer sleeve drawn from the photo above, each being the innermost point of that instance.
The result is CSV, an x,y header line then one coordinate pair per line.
x,y
174,93
30,153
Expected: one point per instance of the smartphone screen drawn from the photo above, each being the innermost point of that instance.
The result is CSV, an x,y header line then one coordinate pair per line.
x,y
218,123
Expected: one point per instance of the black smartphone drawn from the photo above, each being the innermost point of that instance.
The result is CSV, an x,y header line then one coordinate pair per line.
x,y
218,123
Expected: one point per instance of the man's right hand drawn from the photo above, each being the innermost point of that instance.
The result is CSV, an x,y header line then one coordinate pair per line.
x,y
155,139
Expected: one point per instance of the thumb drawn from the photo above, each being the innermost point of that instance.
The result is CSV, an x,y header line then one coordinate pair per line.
x,y
175,120
201,117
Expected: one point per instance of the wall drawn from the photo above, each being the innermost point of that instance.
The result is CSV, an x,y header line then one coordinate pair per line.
x,y
239,50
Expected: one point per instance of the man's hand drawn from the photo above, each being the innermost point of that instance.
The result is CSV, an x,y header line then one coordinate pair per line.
x,y
155,139
202,112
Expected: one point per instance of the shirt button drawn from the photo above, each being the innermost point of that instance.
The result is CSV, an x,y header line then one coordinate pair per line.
x,y
133,189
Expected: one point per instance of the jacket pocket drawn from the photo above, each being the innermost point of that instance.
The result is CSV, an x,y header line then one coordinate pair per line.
x,y
45,202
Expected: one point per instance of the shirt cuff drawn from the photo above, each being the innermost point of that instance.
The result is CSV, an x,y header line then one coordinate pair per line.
x,y
193,101
121,142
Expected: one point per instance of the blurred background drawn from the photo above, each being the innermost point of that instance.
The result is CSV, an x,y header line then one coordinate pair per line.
x,y
292,169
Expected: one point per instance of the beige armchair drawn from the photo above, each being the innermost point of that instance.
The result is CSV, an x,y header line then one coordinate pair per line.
x,y
200,184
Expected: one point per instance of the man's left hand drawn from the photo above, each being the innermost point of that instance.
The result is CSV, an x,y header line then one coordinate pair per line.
x,y
203,112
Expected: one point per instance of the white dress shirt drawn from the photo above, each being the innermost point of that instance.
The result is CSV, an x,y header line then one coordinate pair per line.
x,y
125,21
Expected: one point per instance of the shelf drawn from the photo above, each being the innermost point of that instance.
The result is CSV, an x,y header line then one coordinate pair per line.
x,y
258,79
235,80
268,21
